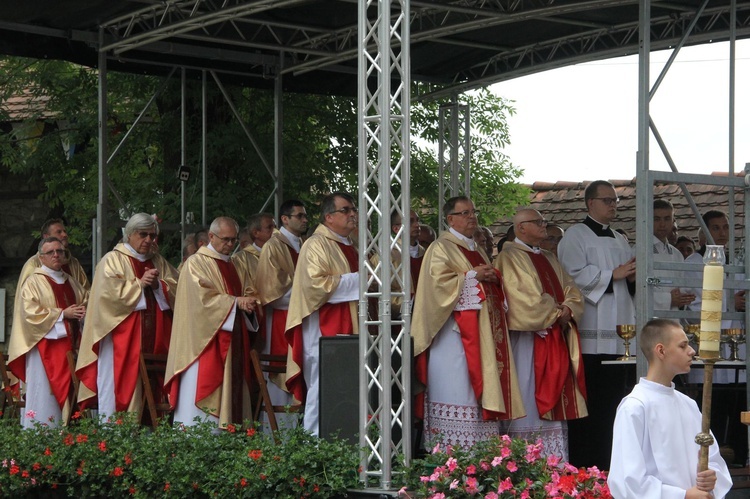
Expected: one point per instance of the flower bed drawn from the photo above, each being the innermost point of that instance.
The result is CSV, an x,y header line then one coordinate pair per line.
x,y
123,459
501,468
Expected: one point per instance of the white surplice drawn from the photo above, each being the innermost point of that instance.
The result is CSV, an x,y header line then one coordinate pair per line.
x,y
665,252
590,260
654,454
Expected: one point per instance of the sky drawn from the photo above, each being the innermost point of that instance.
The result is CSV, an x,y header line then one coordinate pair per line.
x,y
580,122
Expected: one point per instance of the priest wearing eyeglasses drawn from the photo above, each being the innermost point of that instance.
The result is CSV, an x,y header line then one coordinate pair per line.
x,y
544,305
323,300
130,312
46,324
463,356
208,373
601,263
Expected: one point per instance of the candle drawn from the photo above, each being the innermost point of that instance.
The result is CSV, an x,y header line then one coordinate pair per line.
x,y
713,290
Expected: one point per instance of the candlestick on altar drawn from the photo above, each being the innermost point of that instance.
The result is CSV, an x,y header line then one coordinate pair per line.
x,y
710,340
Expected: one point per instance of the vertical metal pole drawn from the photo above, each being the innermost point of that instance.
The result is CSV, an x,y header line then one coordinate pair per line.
x,y
278,142
204,147
183,154
731,128
384,140
101,207
644,191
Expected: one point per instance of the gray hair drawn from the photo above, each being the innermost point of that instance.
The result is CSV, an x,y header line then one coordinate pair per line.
x,y
219,221
137,222
46,240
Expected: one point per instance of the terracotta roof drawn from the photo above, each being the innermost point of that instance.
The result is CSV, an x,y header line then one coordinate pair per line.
x,y
26,106
562,203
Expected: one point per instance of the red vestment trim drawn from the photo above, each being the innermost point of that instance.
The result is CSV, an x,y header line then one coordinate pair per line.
x,y
468,325
554,382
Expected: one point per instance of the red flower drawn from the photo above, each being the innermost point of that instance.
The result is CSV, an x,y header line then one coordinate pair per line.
x,y
250,432
316,488
243,482
68,440
81,438
25,473
103,446
166,487
36,466
79,471
262,476
117,471
231,428
128,459
131,490
195,486
119,421
255,454
77,415
47,452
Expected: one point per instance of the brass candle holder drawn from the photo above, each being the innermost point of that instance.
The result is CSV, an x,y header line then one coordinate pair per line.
x,y
626,332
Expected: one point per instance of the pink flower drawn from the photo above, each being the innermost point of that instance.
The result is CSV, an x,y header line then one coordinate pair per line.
x,y
472,485
552,489
453,485
506,439
570,468
525,495
435,476
471,470
439,495
505,452
553,461
452,464
491,495
505,485
31,414
497,461
485,466
436,449
511,466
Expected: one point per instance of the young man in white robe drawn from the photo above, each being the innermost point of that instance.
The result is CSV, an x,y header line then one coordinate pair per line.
x,y
654,454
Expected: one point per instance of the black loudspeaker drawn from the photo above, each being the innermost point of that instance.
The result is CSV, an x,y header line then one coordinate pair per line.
x,y
339,387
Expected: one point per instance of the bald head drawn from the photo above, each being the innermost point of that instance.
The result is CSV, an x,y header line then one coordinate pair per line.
x,y
530,226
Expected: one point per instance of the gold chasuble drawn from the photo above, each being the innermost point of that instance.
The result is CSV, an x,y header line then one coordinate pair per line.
x,y
483,332
415,267
42,300
322,263
246,261
115,293
275,275
535,285
206,297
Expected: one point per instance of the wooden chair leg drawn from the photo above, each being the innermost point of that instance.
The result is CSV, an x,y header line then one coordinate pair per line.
x,y
265,398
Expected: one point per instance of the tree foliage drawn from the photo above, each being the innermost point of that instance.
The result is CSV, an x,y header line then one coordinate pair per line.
x,y
319,143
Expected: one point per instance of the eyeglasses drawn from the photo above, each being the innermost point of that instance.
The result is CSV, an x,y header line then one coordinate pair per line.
x,y
539,222
346,210
144,235
466,213
298,216
54,252
609,201
226,240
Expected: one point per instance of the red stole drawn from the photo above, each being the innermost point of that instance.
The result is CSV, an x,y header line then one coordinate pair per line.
x,y
213,358
336,318
555,381
146,331
468,325
54,352
416,266
279,345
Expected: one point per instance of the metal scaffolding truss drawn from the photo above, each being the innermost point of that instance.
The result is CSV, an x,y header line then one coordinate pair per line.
x,y
384,142
454,153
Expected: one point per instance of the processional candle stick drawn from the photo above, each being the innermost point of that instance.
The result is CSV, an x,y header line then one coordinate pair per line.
x,y
710,337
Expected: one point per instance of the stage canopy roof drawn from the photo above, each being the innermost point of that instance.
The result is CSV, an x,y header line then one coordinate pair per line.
x,y
460,43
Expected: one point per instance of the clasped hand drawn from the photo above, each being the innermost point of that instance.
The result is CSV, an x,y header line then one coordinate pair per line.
x,y
486,273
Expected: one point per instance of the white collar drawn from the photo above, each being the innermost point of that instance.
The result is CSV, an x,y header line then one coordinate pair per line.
x,y
257,247
604,226
220,255
57,275
136,255
344,240
472,244
295,240
537,250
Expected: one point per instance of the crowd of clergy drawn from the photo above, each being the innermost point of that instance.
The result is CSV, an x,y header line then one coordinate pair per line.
x,y
507,345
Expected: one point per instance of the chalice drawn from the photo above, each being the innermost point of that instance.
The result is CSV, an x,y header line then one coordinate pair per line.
x,y
735,336
626,332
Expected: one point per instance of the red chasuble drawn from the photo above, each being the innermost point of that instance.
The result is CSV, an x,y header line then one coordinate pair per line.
x,y
279,345
553,369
